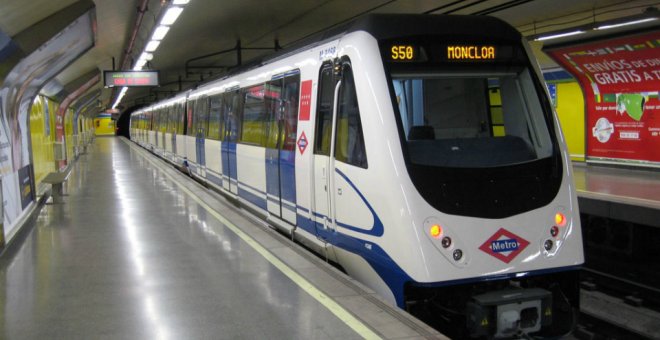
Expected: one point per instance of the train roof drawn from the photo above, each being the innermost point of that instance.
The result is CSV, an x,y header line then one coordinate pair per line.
x,y
388,26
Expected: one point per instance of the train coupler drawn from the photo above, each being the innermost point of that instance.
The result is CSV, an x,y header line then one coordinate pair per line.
x,y
508,313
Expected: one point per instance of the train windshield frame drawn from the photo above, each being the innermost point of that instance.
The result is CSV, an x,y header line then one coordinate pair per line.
x,y
471,119
477,131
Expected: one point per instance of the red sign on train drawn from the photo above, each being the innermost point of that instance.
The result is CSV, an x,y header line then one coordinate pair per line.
x,y
620,79
305,100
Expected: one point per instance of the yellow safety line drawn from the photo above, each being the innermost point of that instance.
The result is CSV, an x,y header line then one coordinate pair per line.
x,y
303,283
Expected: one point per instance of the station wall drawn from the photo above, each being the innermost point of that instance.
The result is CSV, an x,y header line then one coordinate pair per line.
x,y
570,109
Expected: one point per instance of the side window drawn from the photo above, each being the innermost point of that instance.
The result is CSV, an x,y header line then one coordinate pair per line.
x,y
201,116
254,115
273,100
215,118
324,111
181,118
231,111
191,119
349,141
171,119
290,95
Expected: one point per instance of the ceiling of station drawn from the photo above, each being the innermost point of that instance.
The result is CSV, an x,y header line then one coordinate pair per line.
x,y
209,26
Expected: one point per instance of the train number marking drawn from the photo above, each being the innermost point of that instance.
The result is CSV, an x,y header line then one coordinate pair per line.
x,y
327,53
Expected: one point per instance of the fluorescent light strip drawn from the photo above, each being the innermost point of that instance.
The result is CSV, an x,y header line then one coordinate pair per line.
x,y
560,35
604,27
168,19
146,56
119,97
152,46
160,32
171,15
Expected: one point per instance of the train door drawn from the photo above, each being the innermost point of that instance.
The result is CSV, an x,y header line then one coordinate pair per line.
x,y
201,125
339,147
231,109
172,127
323,142
282,106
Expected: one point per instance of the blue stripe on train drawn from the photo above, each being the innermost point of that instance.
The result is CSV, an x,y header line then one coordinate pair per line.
x,y
288,175
257,199
272,173
229,160
211,177
281,177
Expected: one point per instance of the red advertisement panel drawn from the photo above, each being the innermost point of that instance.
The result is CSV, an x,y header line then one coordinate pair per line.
x,y
620,79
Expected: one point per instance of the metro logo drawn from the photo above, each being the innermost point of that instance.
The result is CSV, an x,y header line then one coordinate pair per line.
x,y
504,245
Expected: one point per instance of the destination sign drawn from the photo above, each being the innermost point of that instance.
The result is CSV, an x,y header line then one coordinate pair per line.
x,y
130,78
471,52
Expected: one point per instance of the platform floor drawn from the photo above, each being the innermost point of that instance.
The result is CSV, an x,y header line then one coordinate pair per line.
x,y
626,194
133,254
638,187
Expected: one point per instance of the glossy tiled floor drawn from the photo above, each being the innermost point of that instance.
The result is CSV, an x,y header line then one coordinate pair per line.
x,y
130,255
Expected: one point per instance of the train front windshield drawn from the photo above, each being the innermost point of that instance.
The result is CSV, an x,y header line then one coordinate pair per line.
x,y
475,126
471,120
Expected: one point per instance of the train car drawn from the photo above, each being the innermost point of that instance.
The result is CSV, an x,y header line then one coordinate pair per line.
x,y
418,152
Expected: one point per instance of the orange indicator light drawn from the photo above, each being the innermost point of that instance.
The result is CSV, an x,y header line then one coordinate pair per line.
x,y
560,219
435,231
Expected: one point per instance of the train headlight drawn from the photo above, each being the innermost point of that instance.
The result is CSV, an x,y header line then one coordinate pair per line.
x,y
446,242
554,231
560,219
458,255
548,245
435,231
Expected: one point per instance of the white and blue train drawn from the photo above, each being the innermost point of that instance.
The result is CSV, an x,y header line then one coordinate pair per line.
x,y
418,152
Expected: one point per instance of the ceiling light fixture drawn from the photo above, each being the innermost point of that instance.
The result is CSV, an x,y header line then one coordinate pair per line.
x,y
628,23
650,14
160,32
558,35
152,45
172,13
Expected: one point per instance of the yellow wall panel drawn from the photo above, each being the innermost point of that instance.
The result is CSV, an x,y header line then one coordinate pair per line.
x,y
104,126
40,134
570,109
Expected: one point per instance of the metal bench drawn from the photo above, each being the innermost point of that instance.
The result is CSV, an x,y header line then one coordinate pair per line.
x,y
56,179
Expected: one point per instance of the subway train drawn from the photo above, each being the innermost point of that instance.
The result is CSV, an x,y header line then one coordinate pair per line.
x,y
419,153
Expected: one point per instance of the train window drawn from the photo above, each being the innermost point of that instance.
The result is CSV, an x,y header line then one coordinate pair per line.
x,y
171,119
290,95
231,111
472,119
162,120
181,118
190,128
254,115
324,112
201,112
349,140
216,123
272,100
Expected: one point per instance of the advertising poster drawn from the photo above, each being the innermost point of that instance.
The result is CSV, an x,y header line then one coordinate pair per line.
x,y
17,93
620,80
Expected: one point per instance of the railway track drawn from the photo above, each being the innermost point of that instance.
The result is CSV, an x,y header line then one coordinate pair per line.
x,y
617,308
